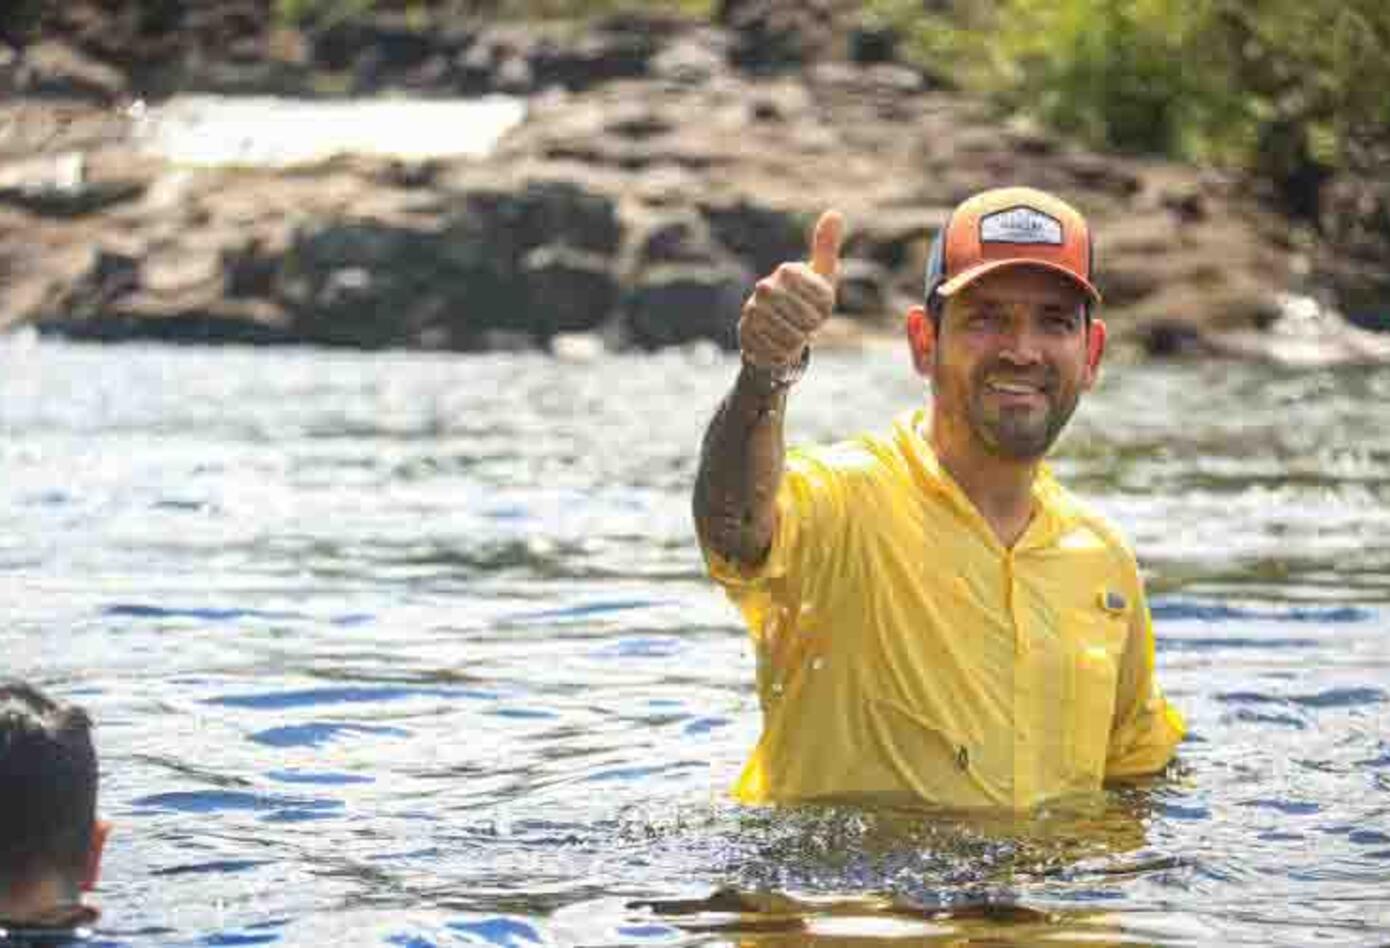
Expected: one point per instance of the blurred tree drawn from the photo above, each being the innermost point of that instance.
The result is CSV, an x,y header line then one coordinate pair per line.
x,y
1290,89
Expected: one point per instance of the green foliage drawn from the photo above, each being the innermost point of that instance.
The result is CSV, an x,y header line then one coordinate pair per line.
x,y
1265,84
294,12
585,9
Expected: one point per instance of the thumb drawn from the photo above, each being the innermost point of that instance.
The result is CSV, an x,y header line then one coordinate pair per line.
x,y
825,244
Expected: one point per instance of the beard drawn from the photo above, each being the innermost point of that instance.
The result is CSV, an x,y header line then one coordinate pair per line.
x,y
1019,433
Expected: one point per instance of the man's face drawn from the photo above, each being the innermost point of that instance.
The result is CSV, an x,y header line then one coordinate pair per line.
x,y
1010,360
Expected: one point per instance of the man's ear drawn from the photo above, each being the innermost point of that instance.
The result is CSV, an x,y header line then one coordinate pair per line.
x,y
1095,349
92,871
921,338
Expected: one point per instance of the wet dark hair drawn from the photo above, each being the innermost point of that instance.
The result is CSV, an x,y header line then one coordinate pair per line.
x,y
48,785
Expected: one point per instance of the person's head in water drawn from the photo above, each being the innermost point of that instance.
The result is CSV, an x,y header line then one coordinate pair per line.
x,y
1006,333
50,838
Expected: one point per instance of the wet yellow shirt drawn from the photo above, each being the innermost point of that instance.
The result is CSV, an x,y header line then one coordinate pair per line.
x,y
903,652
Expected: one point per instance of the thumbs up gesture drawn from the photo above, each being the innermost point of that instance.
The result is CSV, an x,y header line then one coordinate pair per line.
x,y
787,306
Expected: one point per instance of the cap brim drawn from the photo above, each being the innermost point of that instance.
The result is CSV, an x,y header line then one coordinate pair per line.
x,y
961,280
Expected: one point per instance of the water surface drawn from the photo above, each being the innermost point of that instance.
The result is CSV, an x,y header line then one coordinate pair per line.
x,y
417,650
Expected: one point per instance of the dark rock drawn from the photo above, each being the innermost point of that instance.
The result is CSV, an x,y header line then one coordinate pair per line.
x,y
677,237
1171,339
369,285
897,239
774,35
760,237
180,327
1355,222
674,304
873,43
249,270
600,57
862,289
109,277
87,197
473,69
568,290
544,212
382,45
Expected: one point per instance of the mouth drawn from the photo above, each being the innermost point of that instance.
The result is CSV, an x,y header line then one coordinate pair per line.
x,y
1016,389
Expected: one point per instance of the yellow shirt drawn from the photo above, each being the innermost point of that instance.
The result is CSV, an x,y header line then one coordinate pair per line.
x,y
903,652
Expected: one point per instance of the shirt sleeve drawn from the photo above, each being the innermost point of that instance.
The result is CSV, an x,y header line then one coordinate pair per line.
x,y
1147,728
810,515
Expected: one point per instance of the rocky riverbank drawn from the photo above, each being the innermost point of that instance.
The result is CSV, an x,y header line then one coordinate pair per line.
x,y
660,167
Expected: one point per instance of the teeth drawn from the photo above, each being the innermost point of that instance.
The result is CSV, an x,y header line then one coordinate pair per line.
x,y
1015,388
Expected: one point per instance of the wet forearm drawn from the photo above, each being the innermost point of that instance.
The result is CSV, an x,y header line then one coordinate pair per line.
x,y
740,468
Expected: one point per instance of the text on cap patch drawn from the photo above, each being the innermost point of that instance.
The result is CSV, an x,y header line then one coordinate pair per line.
x,y
1020,225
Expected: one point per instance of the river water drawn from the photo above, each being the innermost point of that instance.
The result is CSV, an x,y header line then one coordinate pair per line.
x,y
405,649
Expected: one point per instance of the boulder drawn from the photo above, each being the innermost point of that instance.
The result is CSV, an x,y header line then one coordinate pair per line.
x,y
371,285
678,236
759,235
674,304
59,186
774,35
863,288
380,47
108,277
513,220
567,291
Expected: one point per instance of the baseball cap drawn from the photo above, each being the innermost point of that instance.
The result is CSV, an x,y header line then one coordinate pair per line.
x,y
1009,227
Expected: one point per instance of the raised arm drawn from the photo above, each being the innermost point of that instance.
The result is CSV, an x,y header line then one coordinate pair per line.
x,y
741,456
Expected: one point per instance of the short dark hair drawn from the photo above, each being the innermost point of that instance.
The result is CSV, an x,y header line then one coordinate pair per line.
x,y
48,785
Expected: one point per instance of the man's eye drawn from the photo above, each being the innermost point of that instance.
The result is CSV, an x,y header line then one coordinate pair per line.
x,y
1060,322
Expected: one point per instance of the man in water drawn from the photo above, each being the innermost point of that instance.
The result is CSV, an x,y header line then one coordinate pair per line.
x,y
935,617
50,838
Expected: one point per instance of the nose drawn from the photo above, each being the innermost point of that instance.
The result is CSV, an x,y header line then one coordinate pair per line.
x,y
1021,344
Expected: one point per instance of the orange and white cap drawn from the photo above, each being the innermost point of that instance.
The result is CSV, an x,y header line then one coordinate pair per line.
x,y
1010,227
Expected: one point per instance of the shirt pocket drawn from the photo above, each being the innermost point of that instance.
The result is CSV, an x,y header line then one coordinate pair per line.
x,y
1092,674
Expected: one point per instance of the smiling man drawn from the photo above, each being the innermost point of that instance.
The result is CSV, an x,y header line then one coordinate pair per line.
x,y
935,618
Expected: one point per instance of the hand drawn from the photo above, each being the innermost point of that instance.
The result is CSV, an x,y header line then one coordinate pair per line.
x,y
790,304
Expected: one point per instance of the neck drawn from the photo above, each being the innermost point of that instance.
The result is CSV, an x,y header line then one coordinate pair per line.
x,y
1001,489
51,902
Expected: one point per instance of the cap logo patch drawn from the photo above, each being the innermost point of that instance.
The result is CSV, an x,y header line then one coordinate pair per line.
x,y
1020,225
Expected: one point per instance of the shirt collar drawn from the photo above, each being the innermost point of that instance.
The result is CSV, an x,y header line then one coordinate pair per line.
x,y
1052,517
